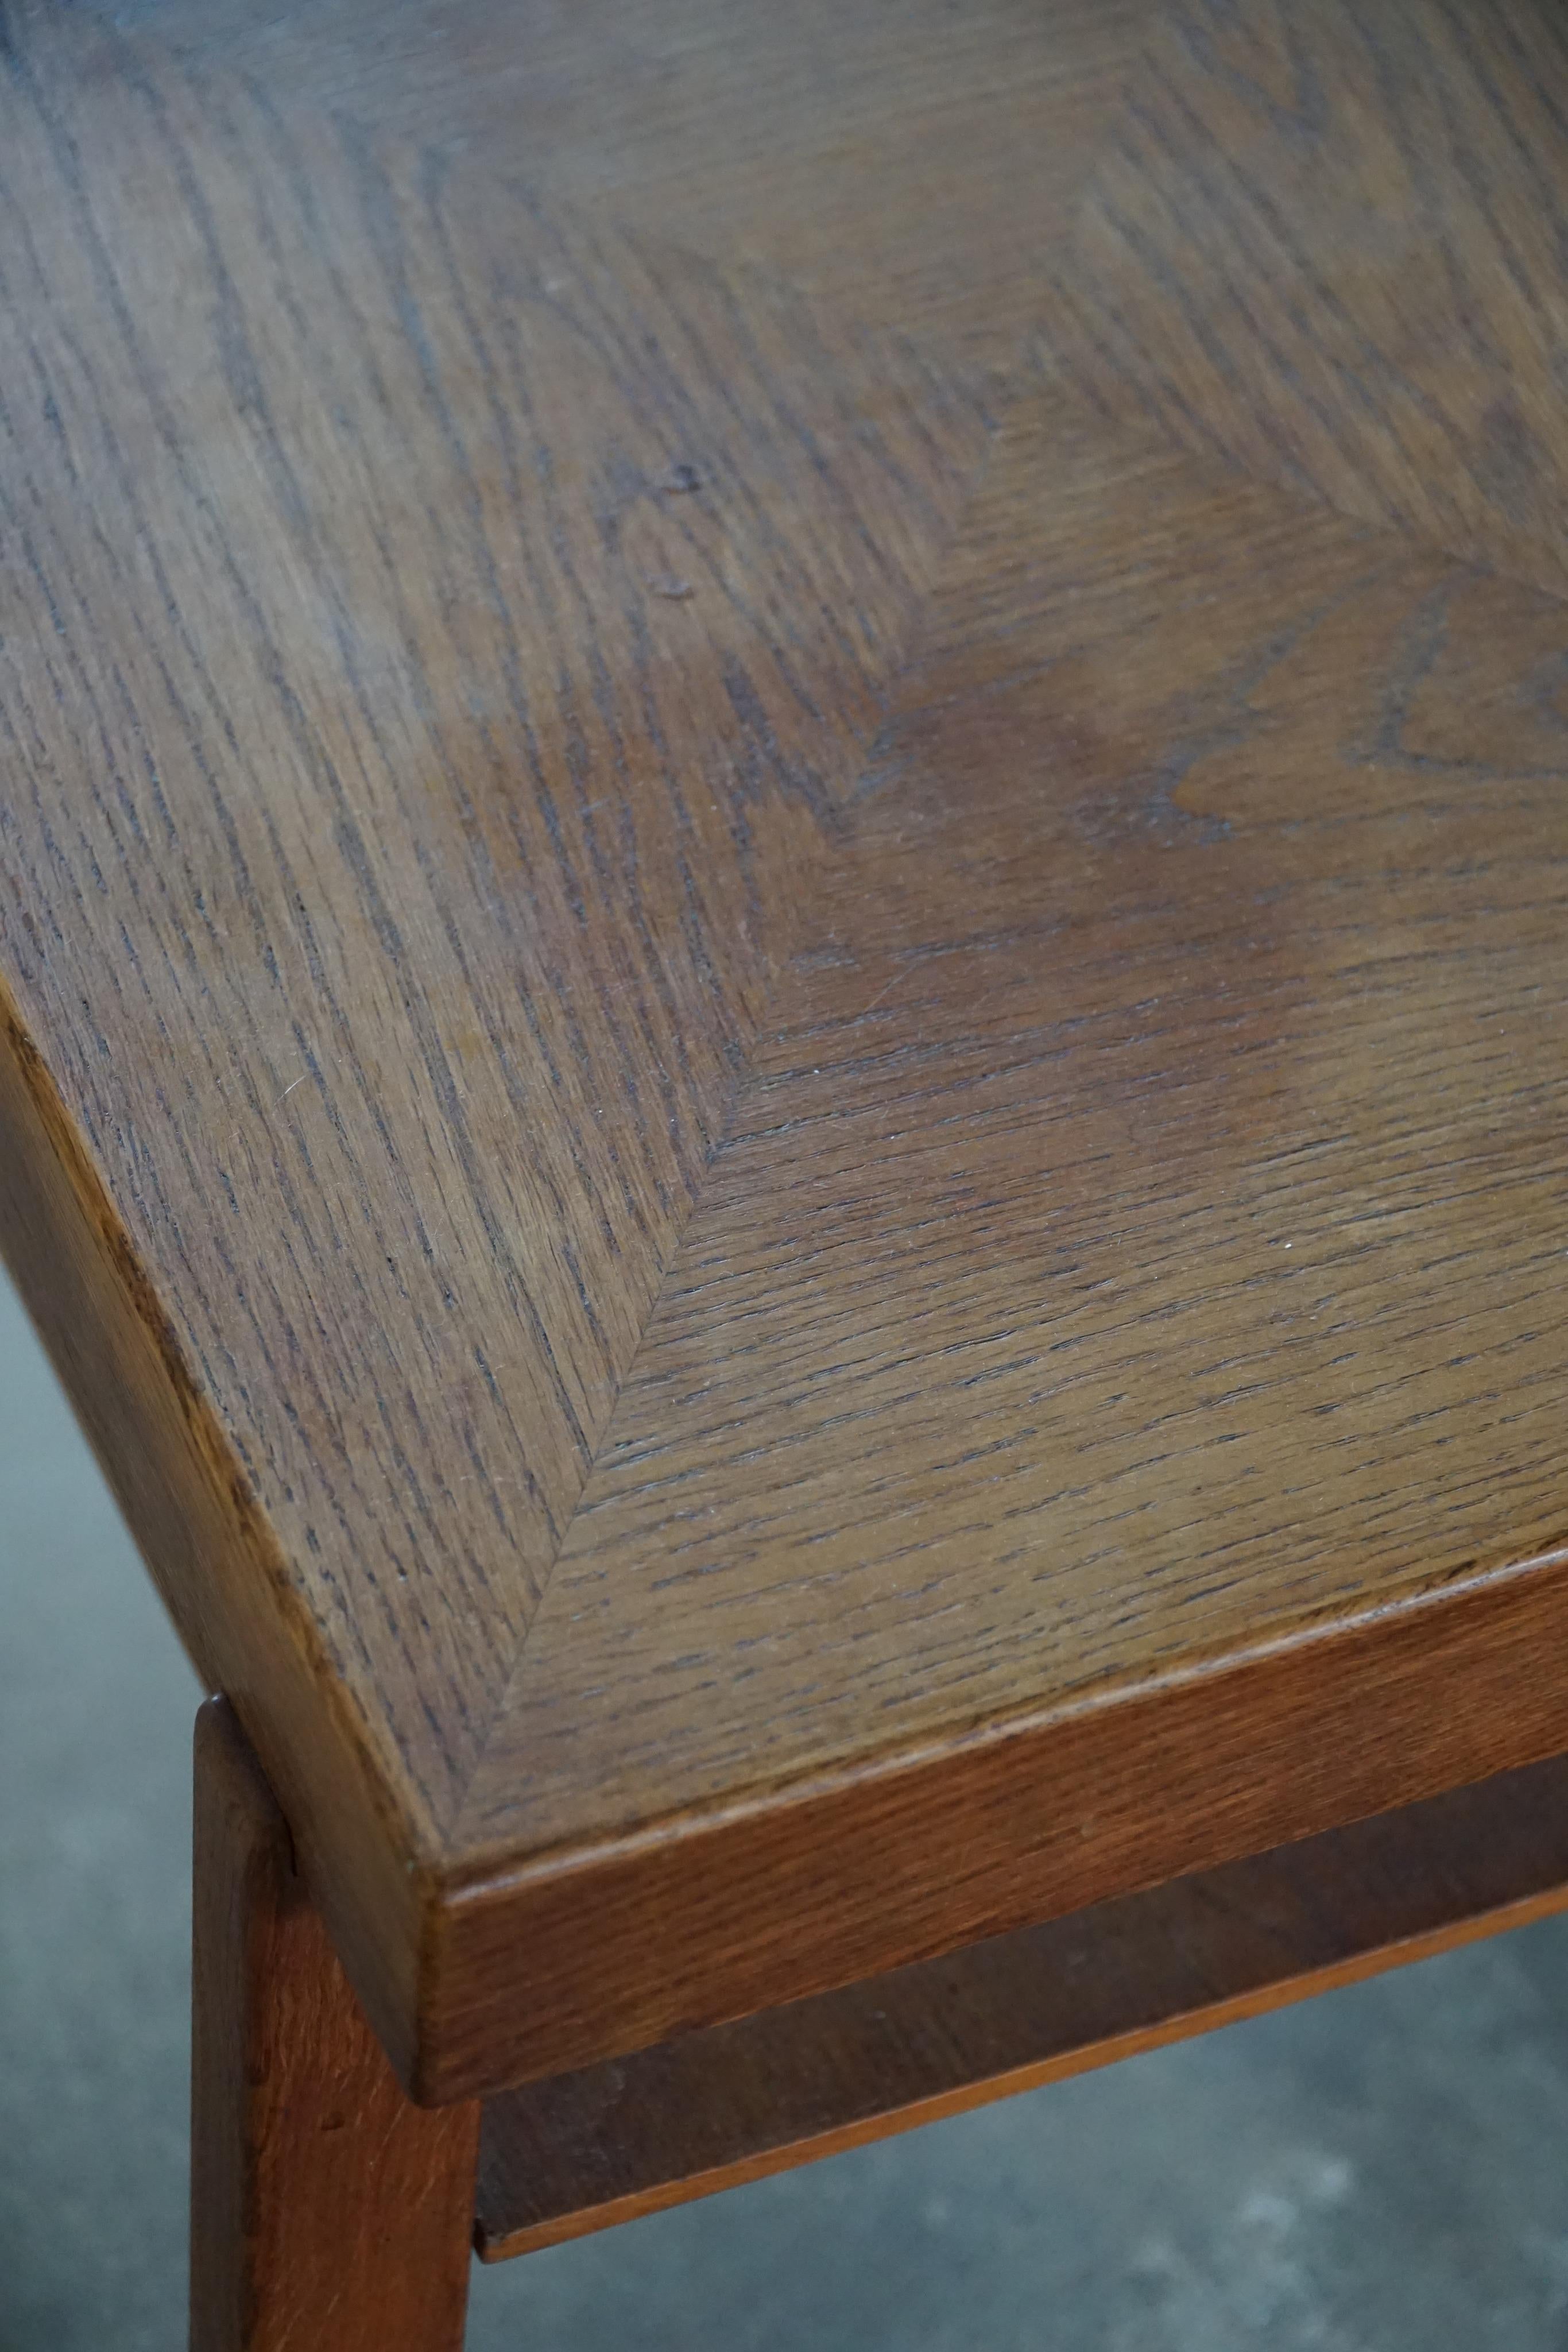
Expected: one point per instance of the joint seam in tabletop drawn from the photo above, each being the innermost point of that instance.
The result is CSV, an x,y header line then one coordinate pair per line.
x,y
738,1082
1007,390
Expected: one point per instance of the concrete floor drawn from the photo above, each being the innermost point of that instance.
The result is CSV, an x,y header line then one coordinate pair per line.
x,y
1383,2170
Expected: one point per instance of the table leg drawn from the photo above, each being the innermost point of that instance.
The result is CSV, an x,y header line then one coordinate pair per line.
x,y
328,2214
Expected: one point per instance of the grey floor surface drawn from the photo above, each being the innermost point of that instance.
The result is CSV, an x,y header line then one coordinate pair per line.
x,y
1383,2170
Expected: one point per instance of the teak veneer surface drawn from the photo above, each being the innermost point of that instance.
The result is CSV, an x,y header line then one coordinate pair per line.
x,y
782,842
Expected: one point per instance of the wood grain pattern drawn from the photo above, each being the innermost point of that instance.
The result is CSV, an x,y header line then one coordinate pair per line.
x,y
582,2152
457,975
788,138
1104,1296
1327,241
326,2210
451,831
1138,1244
779,932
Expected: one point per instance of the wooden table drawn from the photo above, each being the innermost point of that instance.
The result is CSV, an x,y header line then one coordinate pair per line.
x,y
782,866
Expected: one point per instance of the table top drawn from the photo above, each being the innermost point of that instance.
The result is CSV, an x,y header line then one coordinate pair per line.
x,y
781,874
